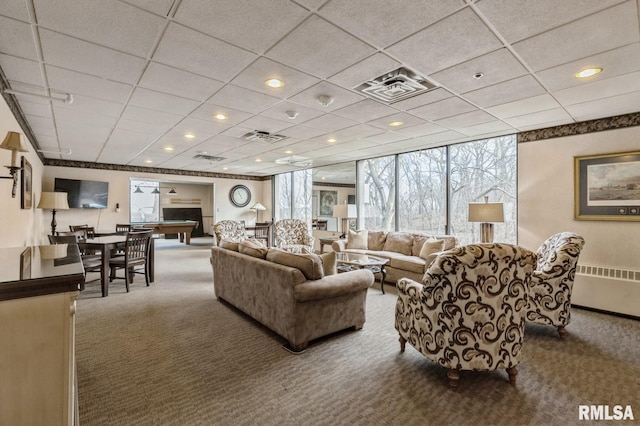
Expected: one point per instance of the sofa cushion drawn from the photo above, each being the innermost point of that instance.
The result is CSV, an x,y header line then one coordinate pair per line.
x,y
357,239
376,240
408,263
449,242
253,248
229,244
309,264
430,247
400,242
329,263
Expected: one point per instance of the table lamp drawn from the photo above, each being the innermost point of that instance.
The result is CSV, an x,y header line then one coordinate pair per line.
x,y
53,201
486,213
257,207
344,212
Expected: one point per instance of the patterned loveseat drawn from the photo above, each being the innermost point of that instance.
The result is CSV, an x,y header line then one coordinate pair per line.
x,y
293,235
407,259
469,311
552,280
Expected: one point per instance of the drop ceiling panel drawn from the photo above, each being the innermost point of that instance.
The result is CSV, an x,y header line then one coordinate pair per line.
x,y
280,112
461,37
162,119
580,38
524,106
426,98
15,9
330,123
357,132
341,97
42,125
106,22
365,110
83,107
265,124
21,70
152,130
145,98
83,84
549,116
407,120
69,116
599,89
481,130
208,111
442,109
382,23
508,91
71,53
15,39
89,136
243,99
201,129
465,120
303,132
622,104
419,130
37,109
319,48
367,69
186,49
177,82
254,76
159,7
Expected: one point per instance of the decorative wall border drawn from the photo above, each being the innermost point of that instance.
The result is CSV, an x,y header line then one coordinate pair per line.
x,y
591,126
141,169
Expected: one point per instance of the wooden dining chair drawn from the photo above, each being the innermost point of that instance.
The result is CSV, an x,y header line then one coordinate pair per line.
x,y
89,231
90,262
121,228
136,255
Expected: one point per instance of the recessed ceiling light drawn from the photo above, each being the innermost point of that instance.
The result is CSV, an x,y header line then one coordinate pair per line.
x,y
588,72
168,148
220,117
189,135
148,161
258,160
274,82
288,151
332,140
225,168
396,123
478,75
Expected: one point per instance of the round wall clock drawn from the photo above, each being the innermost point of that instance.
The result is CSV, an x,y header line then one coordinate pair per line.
x,y
240,195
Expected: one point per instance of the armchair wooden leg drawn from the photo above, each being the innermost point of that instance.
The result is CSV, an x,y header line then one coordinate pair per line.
x,y
403,342
562,332
513,372
454,378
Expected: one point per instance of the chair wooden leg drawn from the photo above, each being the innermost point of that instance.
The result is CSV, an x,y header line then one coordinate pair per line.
x,y
562,332
513,372
127,275
403,342
454,378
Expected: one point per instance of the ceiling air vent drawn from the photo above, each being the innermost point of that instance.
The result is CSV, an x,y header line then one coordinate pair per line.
x,y
260,136
395,86
208,157
295,160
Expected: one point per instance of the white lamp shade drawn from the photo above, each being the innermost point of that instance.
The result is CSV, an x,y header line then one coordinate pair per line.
x,y
53,251
14,142
258,206
345,211
53,201
486,212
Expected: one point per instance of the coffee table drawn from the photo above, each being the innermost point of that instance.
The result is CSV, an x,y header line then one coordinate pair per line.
x,y
349,261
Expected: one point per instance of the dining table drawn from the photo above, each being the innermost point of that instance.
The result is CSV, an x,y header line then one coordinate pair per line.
x,y
109,244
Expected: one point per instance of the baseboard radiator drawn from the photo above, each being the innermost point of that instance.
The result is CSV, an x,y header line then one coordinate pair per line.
x,y
607,288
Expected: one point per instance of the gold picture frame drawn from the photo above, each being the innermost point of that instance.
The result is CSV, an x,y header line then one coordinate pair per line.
x,y
26,185
607,187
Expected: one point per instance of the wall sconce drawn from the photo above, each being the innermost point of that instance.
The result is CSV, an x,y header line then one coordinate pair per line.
x,y
486,213
53,201
14,143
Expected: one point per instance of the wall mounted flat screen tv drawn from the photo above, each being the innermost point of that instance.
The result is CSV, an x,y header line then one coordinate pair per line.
x,y
84,194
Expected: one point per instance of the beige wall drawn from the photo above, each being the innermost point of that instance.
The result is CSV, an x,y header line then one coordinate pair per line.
x,y
546,206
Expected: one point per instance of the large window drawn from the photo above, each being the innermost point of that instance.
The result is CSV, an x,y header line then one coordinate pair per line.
x,y
294,195
377,177
144,200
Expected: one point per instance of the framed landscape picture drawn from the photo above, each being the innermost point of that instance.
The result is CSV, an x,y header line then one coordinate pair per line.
x,y
607,187
26,197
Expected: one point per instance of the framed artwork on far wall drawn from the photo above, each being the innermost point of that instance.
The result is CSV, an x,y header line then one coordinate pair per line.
x,y
607,187
26,198
328,199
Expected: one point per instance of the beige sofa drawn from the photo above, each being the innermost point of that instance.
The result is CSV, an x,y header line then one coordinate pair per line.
x,y
282,298
403,250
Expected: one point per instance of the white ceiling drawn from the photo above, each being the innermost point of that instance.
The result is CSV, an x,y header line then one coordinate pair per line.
x,y
145,72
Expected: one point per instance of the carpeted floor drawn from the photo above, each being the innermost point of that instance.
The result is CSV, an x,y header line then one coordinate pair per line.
x,y
172,354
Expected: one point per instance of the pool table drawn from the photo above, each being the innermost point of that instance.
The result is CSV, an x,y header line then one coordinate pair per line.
x,y
181,227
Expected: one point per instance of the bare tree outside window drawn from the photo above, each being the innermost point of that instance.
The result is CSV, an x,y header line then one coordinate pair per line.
x,y
379,191
144,203
302,195
284,191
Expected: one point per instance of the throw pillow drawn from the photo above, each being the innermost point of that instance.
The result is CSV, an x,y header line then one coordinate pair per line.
x,y
357,239
253,248
400,242
229,244
309,264
431,246
376,240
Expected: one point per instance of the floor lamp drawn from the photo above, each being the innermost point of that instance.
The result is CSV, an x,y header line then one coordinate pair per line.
x,y
258,207
486,213
53,201
344,212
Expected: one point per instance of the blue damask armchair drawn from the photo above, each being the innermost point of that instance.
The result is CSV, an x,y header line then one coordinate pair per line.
x,y
469,311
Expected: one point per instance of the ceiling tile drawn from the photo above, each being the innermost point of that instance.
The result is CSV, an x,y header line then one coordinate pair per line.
x,y
497,66
108,23
524,106
579,39
429,97
280,112
599,89
367,69
177,82
319,48
21,70
208,111
42,125
243,23
242,99
254,76
201,129
15,9
159,7
540,118
266,124
193,51
442,109
330,123
508,91
83,84
145,115
465,120
493,128
37,109
455,39
341,97
15,39
407,120
382,23
83,107
150,99
71,53
365,110
535,17
303,132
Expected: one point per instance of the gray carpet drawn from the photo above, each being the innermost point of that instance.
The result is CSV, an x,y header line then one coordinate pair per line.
x,y
172,354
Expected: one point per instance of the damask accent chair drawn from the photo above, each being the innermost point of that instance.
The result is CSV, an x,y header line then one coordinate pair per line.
x,y
293,235
552,281
231,229
469,311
